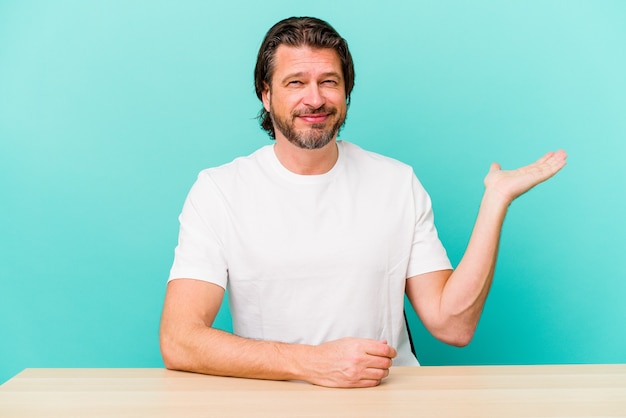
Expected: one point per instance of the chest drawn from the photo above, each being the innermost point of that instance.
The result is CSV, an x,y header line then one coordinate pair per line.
x,y
288,231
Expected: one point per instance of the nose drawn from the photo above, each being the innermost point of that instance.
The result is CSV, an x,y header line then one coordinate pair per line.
x,y
313,96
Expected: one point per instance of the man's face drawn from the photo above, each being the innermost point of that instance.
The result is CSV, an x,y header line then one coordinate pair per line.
x,y
307,99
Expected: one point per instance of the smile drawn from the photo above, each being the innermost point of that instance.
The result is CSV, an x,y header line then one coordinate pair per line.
x,y
314,118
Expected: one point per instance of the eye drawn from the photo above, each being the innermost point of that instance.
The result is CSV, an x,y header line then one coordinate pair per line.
x,y
330,82
294,83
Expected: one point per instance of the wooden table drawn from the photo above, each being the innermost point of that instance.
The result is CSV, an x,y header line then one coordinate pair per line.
x,y
465,391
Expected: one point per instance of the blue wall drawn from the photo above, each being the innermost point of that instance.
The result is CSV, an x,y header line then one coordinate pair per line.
x,y
108,109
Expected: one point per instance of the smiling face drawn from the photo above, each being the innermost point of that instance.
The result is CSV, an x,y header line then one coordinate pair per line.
x,y
306,98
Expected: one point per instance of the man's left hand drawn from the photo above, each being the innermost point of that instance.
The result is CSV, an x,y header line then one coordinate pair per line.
x,y
509,184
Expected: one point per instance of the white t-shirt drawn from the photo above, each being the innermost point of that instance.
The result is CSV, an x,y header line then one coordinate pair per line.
x,y
309,259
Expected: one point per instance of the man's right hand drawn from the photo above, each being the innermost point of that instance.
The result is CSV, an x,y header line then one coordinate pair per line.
x,y
351,363
188,342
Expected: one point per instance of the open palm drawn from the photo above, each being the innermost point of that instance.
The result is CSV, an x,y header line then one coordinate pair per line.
x,y
512,183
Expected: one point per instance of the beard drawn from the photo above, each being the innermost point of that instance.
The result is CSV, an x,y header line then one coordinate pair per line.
x,y
317,135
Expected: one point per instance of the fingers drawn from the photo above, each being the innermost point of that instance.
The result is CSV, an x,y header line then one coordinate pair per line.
x,y
373,376
553,158
495,167
512,183
381,349
545,157
550,164
559,154
557,160
366,383
379,360
352,362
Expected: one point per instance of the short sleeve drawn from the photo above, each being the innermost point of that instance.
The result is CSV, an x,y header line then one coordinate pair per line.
x,y
427,251
200,252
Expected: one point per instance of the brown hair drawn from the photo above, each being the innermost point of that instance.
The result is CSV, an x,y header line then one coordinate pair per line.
x,y
296,32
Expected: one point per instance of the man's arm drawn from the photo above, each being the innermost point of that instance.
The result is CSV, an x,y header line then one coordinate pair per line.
x,y
450,303
188,342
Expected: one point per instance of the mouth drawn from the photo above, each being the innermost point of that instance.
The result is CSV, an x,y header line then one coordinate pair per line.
x,y
315,118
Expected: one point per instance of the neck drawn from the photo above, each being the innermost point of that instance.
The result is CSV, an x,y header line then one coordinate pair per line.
x,y
305,161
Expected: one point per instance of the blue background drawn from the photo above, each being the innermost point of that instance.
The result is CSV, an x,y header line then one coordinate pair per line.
x,y
108,110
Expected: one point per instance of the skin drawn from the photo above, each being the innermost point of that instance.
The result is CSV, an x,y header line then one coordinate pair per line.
x,y
307,94
307,81
306,100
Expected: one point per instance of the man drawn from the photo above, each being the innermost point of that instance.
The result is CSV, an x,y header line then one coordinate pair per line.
x,y
319,240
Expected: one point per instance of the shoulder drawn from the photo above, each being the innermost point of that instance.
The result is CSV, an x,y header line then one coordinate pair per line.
x,y
384,171
248,165
368,160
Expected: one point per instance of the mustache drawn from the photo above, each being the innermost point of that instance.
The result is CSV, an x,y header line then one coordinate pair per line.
x,y
330,110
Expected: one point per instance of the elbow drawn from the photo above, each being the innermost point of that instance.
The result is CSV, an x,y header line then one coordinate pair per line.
x,y
169,360
455,329
170,353
457,337
460,340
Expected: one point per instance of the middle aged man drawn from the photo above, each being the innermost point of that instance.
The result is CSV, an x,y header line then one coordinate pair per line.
x,y
318,240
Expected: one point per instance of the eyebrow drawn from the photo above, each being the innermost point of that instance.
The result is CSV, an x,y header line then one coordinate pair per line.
x,y
300,74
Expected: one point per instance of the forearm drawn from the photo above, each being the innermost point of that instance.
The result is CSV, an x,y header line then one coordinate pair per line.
x,y
347,362
465,292
203,349
466,289
189,342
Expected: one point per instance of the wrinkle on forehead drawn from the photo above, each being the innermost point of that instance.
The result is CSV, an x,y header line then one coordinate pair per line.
x,y
293,61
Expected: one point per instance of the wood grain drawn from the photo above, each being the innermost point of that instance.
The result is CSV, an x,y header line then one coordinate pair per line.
x,y
459,391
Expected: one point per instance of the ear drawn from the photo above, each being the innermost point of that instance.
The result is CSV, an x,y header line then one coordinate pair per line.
x,y
266,97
